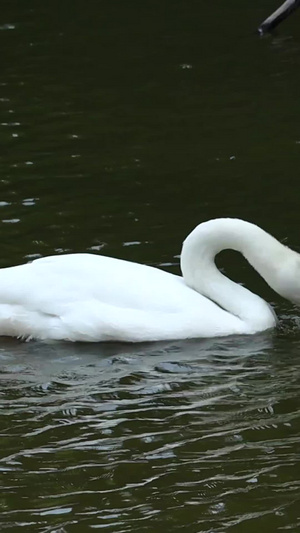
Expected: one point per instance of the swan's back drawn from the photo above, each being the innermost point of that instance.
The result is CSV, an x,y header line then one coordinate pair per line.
x,y
59,280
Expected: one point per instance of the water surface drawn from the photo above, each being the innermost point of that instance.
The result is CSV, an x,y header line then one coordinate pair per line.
x,y
122,126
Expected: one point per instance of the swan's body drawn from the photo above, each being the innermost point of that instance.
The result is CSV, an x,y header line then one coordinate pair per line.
x,y
85,297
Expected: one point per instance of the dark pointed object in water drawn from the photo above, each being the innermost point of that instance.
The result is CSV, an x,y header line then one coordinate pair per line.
x,y
278,16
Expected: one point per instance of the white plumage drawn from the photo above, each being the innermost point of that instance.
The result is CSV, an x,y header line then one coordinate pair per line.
x,y
85,297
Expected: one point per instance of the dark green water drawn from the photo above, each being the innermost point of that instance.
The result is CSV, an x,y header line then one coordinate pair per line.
x,y
122,126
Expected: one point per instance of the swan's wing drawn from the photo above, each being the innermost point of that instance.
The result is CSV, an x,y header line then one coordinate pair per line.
x,y
93,321
52,282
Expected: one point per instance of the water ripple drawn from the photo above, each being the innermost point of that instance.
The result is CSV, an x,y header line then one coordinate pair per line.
x,y
166,429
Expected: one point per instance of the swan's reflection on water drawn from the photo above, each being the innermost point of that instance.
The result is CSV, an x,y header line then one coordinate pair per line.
x,y
31,360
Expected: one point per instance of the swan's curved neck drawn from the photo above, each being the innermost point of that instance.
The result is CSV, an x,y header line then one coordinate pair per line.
x,y
262,251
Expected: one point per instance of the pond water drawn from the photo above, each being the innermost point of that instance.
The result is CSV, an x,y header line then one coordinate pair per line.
x,y
122,126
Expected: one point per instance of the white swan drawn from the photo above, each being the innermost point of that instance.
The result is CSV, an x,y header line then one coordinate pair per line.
x,y
85,297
